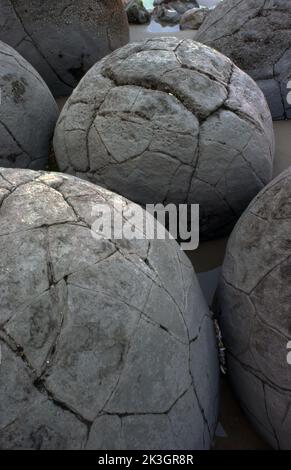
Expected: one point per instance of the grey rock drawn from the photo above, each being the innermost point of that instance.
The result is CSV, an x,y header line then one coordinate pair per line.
x,y
170,120
193,19
170,11
254,298
28,113
256,36
62,41
136,12
100,347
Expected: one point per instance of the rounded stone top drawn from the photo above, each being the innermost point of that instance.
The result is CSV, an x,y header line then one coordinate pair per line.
x,y
254,293
62,41
100,347
169,120
28,113
256,35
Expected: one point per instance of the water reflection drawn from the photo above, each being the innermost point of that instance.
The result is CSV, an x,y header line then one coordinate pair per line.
x,y
155,27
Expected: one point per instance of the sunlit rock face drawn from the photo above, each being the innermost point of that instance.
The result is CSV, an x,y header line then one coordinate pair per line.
x,y
28,113
256,35
62,41
100,347
173,121
254,294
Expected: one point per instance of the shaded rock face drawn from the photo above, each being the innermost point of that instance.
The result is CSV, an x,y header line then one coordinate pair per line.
x,y
193,19
256,35
63,41
170,11
28,113
101,349
255,293
136,12
167,120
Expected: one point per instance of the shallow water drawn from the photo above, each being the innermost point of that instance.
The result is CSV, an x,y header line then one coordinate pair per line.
x,y
155,27
207,3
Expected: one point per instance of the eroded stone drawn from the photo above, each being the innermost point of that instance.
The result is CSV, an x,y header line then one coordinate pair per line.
x,y
63,41
28,113
255,310
100,347
173,121
256,36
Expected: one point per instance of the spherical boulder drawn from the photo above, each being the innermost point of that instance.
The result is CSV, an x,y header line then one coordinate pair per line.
x,y
255,292
28,113
100,347
167,120
62,41
256,35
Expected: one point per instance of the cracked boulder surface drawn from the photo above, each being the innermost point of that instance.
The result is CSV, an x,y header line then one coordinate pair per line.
x,y
100,347
256,35
62,40
28,113
170,121
255,294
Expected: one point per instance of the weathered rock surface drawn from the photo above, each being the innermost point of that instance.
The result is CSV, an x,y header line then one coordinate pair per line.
x,y
256,35
136,12
255,294
101,348
170,11
193,19
167,120
28,113
62,41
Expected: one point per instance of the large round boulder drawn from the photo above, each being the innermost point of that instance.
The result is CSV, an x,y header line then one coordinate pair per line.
x,y
255,293
256,35
167,120
28,113
62,41
100,347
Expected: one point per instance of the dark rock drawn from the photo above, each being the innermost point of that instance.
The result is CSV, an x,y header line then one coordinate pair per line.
x,y
256,35
62,40
137,13
255,295
28,113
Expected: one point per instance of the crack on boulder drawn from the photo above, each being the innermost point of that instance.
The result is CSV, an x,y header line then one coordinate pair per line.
x,y
35,45
268,417
259,375
16,141
166,412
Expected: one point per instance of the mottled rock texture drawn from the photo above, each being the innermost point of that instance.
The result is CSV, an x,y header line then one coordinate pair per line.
x,y
28,113
255,293
170,11
170,120
101,348
63,39
193,19
256,35
136,12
